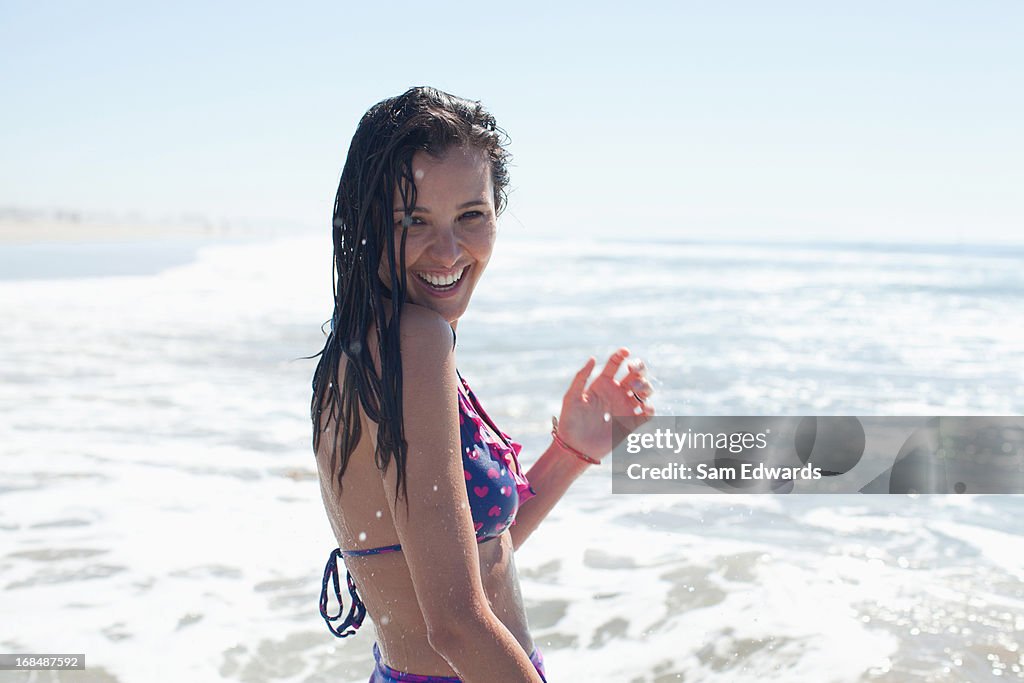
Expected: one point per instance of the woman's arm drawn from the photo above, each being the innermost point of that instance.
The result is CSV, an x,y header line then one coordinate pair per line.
x,y
436,531
584,425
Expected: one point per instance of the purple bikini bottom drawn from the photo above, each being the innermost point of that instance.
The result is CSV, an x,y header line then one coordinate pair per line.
x,y
385,674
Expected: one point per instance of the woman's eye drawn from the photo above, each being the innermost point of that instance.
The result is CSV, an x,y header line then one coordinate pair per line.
x,y
408,222
470,215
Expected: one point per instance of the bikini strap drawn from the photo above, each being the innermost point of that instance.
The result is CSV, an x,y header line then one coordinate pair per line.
x,y
370,551
356,612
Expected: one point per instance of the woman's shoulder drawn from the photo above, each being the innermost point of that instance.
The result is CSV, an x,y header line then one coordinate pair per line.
x,y
426,325
427,343
425,334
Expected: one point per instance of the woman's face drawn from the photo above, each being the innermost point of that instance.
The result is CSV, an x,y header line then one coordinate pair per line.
x,y
451,230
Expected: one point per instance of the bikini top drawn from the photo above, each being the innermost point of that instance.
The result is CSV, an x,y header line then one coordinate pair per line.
x,y
495,486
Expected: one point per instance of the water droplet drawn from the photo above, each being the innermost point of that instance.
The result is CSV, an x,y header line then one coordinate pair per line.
x,y
435,487
362,535
363,242
385,620
639,410
607,417
378,514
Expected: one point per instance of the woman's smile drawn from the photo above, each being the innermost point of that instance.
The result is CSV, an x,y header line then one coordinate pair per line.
x,y
442,284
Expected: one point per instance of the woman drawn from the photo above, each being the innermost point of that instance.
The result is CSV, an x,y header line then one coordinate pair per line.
x,y
419,484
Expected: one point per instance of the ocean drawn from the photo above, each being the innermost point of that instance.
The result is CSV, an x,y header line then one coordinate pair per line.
x,y
159,509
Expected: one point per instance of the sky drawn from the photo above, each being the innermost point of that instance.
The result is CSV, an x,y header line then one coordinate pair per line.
x,y
685,120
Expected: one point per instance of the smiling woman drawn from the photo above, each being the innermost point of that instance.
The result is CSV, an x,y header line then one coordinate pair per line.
x,y
419,484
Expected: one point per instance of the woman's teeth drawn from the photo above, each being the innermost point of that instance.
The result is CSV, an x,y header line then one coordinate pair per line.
x,y
441,281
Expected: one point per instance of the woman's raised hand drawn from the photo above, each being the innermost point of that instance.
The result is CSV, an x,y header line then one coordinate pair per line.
x,y
588,411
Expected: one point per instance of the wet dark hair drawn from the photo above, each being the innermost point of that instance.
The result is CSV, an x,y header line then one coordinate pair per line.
x,y
379,161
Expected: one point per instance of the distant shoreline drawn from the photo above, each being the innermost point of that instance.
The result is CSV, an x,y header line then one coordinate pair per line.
x,y
36,232
48,248
78,257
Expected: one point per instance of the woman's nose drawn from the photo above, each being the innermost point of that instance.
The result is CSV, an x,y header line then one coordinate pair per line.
x,y
445,246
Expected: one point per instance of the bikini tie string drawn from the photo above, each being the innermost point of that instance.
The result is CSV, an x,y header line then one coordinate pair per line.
x,y
356,612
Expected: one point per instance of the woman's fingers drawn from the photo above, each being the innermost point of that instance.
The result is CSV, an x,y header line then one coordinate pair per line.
x,y
636,373
636,380
579,382
640,387
614,362
634,386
